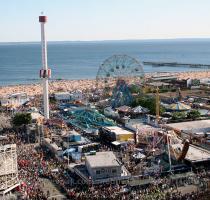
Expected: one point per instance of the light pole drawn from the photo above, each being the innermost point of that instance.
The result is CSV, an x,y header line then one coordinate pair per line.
x,y
68,152
169,153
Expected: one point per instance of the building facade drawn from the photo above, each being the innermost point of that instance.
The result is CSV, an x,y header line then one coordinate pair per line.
x,y
103,165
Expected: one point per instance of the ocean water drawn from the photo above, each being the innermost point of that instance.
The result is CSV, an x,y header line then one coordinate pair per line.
x,y
20,62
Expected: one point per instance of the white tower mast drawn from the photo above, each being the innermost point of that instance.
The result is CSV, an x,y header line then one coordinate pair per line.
x,y
45,73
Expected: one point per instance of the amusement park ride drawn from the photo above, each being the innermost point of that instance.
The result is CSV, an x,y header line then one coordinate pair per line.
x,y
117,72
45,73
160,141
8,168
121,94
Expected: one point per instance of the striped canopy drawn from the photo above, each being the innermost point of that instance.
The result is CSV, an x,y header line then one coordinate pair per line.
x,y
179,107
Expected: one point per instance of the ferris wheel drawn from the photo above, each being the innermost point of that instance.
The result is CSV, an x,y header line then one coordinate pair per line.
x,y
119,67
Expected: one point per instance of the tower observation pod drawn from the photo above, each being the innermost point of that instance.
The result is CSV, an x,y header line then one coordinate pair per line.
x,y
45,73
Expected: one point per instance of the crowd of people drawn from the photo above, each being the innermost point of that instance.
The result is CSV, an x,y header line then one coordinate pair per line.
x,y
35,163
29,169
118,192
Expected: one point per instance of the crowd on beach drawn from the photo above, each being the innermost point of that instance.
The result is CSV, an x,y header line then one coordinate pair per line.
x,y
86,84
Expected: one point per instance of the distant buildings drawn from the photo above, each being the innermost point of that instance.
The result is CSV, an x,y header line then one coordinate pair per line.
x,y
62,96
76,95
164,78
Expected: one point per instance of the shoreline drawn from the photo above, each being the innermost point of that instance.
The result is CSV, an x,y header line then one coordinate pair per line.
x,y
147,74
84,84
39,82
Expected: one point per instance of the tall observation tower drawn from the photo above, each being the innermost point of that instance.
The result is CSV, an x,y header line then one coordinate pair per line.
x,y
45,73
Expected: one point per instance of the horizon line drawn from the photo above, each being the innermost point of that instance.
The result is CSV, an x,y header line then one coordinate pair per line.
x,y
110,40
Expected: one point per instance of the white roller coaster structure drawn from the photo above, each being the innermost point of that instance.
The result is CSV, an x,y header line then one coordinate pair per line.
x,y
8,168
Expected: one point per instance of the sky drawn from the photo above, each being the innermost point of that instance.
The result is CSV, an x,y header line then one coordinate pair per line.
x,y
87,20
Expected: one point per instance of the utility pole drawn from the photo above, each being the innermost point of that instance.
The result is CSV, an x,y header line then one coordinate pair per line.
x,y
157,105
169,153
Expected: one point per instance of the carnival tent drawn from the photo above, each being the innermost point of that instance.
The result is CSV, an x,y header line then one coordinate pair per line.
x,y
139,110
179,107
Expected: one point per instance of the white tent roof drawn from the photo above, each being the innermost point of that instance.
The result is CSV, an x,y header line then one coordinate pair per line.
x,y
140,109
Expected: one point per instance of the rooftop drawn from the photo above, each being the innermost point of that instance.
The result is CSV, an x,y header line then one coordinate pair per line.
x,y
36,115
194,154
164,78
134,124
61,93
103,159
158,84
199,126
118,130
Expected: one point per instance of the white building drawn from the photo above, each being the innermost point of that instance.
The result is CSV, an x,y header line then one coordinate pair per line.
x,y
16,99
116,133
193,83
103,165
138,124
62,96
76,95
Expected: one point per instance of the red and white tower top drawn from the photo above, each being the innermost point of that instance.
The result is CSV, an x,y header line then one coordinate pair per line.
x,y
43,19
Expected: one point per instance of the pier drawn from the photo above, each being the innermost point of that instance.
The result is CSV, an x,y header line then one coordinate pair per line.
x,y
175,64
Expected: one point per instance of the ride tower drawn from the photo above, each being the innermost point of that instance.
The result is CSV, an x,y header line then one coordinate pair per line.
x,y
45,73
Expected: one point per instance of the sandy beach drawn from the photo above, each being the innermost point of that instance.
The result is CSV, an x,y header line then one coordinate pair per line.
x,y
71,85
54,86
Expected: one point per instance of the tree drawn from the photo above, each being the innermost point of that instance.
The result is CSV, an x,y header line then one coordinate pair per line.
x,y
149,103
193,114
135,89
52,100
163,90
178,115
22,119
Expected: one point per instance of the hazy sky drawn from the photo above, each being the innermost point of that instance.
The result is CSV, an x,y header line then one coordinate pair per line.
x,y
104,19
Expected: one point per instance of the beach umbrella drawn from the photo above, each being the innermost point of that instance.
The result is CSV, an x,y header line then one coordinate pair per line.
x,y
179,107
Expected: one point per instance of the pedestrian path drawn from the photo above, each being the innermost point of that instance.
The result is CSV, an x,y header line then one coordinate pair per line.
x,y
51,190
